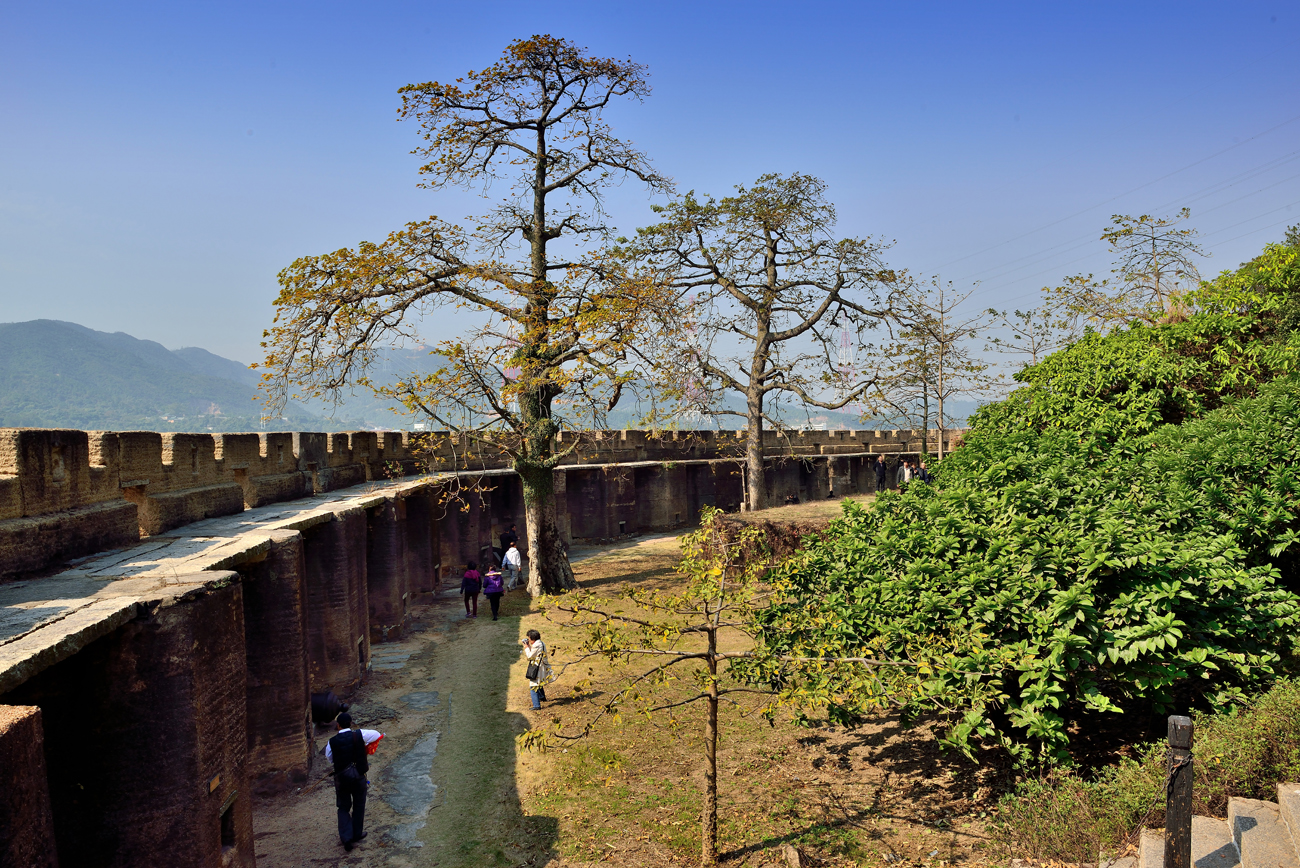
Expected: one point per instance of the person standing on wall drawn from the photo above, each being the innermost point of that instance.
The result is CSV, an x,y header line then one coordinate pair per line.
x,y
470,584
493,587
539,667
514,564
349,751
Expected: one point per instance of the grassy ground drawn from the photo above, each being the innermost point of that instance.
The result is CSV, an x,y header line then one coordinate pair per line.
x,y
631,794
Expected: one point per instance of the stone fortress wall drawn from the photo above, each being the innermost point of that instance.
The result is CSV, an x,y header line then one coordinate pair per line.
x,y
170,602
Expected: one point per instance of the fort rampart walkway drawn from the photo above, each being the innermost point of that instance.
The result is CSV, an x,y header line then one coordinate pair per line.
x,y
169,602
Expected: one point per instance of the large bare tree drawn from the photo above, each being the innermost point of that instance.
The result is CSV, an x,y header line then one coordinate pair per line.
x,y
765,293
542,333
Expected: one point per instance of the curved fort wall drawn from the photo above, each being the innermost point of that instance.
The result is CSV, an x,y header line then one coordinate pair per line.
x,y
169,602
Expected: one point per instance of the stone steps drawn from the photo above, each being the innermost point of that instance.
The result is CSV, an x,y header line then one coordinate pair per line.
x,y
1257,834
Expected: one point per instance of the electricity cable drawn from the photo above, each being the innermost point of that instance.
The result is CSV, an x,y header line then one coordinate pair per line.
x,y
1197,195
1126,193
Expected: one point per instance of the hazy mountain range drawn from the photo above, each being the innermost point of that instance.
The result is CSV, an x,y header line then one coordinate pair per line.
x,y
62,375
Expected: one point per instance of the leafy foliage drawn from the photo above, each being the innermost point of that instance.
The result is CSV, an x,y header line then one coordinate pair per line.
x,y
1242,753
1134,380
1081,555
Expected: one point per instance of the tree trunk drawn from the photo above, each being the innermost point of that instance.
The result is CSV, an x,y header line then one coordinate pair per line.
x,y
709,819
548,565
755,482
939,450
925,420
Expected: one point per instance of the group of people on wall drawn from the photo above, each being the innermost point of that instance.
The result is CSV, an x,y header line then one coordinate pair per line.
x,y
498,579
908,471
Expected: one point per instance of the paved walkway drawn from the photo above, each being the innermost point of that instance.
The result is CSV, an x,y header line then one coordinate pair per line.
x,y
45,620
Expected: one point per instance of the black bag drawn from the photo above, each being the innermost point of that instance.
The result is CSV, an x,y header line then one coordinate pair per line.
x,y
533,671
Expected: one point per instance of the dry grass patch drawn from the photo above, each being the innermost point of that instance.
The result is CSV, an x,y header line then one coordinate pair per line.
x,y
631,794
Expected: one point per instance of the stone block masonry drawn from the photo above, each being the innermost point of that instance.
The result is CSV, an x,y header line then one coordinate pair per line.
x,y
278,697
26,823
144,736
334,555
169,603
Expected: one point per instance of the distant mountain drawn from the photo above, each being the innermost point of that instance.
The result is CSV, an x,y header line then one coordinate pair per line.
x,y
59,374
213,365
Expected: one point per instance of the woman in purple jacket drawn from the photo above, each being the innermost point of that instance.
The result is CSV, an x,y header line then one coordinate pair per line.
x,y
493,588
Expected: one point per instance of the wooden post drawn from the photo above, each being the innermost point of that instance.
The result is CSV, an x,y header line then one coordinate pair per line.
x,y
1178,804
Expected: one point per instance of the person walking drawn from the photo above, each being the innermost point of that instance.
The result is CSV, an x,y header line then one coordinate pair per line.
x,y
514,564
539,667
880,473
470,584
493,587
904,475
348,751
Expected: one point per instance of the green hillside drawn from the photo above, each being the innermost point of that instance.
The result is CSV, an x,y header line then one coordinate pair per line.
x,y
59,374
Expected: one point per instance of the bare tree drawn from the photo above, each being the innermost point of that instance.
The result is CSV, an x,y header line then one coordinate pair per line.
x,y
764,292
547,327
700,647
1154,270
1031,334
932,359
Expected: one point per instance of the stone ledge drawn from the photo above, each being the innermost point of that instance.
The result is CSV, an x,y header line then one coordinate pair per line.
x,y
62,634
28,545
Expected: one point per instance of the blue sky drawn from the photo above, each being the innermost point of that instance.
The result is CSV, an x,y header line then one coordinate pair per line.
x,y
159,163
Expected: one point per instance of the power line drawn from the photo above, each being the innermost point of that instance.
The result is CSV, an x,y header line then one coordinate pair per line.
x,y
1207,235
1219,186
1122,195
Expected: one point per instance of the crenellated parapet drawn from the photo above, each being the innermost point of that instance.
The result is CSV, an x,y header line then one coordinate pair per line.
x,y
68,493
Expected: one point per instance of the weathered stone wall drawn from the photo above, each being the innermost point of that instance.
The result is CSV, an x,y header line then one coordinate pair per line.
x,y
26,823
145,755
275,640
334,555
65,494
173,678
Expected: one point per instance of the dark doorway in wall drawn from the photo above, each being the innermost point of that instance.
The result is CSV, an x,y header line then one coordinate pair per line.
x,y
228,827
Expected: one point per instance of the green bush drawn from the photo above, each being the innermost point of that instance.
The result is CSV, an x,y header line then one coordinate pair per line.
x,y
1062,579
1245,753
1120,533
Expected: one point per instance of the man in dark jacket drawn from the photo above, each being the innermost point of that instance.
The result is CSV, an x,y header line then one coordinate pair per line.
x,y
348,751
510,536
880,473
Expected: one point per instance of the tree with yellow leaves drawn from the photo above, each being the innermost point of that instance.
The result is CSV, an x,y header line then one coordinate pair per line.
x,y
548,334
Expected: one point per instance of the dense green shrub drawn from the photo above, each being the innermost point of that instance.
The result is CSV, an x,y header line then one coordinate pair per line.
x,y
1054,577
1134,380
1122,532
1246,753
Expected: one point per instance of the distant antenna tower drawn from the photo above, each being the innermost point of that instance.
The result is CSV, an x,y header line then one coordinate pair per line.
x,y
847,357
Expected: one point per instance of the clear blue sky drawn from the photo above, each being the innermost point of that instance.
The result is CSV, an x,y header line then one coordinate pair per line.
x,y
160,163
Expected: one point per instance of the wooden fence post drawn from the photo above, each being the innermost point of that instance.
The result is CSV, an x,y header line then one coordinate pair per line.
x,y
1178,794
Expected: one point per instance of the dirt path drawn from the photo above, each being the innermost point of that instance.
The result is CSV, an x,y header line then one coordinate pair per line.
x,y
450,699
